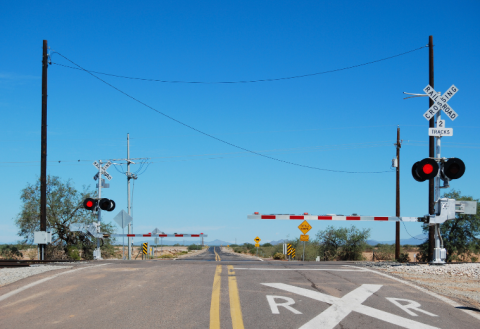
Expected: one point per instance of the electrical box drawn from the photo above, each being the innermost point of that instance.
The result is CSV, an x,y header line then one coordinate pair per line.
x,y
42,237
466,207
394,163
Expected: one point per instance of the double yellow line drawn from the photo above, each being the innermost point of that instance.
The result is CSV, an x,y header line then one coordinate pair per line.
x,y
217,257
235,308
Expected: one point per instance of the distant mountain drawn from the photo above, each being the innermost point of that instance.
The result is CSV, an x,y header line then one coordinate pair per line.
x,y
419,239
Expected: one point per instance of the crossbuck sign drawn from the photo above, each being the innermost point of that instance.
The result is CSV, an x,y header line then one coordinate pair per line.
x,y
103,170
440,102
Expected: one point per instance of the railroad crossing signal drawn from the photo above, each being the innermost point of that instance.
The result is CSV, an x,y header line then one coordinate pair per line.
x,y
257,239
440,102
453,168
145,248
425,169
106,204
305,227
304,237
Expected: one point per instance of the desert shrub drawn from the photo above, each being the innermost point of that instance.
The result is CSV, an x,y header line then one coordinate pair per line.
x,y
32,253
404,258
73,253
385,252
279,256
473,259
10,251
166,256
194,247
342,243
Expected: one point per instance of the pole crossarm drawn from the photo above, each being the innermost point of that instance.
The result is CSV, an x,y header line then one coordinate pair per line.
x,y
334,217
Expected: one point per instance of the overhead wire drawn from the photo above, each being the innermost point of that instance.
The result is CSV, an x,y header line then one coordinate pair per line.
x,y
241,81
216,138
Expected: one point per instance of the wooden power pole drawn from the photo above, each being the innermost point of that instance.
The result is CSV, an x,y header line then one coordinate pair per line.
x,y
397,203
43,170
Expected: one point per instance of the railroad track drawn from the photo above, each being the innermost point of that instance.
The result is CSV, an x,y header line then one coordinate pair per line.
x,y
26,263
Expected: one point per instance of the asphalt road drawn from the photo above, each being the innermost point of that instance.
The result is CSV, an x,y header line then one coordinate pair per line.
x,y
220,290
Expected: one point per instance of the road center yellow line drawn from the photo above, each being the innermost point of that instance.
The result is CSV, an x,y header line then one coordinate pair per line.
x,y
215,304
235,308
217,256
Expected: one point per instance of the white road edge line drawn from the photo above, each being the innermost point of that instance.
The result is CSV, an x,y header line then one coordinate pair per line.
x,y
16,291
431,293
297,269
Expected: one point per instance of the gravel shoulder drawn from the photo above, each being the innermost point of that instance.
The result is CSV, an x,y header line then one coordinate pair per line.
x,y
460,282
10,275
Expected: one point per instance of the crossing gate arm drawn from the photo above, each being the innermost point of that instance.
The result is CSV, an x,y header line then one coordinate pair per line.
x,y
349,218
155,235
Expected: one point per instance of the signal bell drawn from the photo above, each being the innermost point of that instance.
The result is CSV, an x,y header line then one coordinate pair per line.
x,y
425,169
107,204
454,168
90,204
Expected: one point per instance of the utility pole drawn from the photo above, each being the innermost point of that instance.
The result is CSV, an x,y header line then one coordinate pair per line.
x,y
128,198
43,169
397,204
97,252
431,154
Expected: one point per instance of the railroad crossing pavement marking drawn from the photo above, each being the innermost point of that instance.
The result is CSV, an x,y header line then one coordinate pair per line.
x,y
16,291
341,307
274,305
408,306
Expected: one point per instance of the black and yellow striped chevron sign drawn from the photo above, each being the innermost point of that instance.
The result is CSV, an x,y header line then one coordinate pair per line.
x,y
293,253
145,248
289,249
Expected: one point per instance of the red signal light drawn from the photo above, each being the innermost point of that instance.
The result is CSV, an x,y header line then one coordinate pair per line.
x,y
90,204
256,212
305,213
427,169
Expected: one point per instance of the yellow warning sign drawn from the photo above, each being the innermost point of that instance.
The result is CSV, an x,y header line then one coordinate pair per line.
x,y
305,227
257,244
304,237
257,239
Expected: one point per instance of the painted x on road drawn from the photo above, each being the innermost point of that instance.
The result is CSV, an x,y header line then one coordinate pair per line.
x,y
341,307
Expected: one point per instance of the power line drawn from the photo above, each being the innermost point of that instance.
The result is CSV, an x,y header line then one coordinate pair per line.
x,y
240,81
216,138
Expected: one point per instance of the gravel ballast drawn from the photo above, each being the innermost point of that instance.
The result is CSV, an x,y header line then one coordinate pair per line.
x,y
10,275
460,281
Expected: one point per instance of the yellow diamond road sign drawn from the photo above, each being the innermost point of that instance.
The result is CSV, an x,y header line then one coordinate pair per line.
x,y
257,239
305,227
257,245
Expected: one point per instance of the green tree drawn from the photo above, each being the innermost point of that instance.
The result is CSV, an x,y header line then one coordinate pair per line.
x,y
459,234
64,207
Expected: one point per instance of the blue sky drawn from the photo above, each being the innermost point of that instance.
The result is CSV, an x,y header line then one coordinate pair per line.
x,y
344,120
